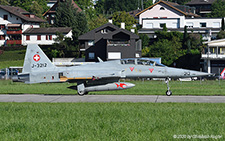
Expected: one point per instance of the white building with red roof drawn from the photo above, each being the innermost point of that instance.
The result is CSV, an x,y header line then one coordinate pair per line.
x,y
19,27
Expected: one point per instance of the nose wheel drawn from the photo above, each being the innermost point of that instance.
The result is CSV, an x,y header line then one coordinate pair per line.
x,y
168,92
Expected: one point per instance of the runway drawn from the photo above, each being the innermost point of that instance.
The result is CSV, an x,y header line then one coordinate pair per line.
x,y
36,98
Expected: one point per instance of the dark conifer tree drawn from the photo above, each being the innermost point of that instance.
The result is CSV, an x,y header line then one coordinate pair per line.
x,y
222,26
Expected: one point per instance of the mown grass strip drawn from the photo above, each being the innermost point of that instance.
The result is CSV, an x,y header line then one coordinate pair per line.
x,y
109,121
141,88
7,64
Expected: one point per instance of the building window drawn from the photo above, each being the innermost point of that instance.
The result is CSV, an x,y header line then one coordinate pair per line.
x,y
2,26
46,37
50,37
38,37
5,17
190,24
162,25
91,55
90,43
162,8
216,24
114,55
104,31
202,24
2,37
52,22
28,37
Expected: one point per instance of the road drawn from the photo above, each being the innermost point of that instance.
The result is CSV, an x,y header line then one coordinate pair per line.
x,y
109,98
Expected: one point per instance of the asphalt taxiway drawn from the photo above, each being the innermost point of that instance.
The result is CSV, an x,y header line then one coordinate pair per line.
x,y
109,98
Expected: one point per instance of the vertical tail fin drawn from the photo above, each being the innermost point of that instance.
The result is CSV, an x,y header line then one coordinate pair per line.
x,y
35,59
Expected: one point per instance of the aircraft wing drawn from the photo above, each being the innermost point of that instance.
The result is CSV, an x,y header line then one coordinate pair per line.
x,y
96,76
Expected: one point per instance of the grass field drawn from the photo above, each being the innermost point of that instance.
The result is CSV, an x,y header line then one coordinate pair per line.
x,y
12,58
109,121
141,88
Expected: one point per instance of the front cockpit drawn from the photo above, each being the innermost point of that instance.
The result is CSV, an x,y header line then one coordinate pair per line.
x,y
141,61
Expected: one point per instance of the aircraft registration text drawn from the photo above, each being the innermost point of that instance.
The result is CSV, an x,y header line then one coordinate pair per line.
x,y
39,65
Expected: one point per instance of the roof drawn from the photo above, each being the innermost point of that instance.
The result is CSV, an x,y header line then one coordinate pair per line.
x,y
213,43
19,12
49,30
200,2
54,7
134,12
170,4
91,34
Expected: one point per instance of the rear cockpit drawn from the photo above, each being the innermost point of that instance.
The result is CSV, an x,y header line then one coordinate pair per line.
x,y
141,61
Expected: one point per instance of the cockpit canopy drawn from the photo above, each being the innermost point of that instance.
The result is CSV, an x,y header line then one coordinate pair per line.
x,y
141,61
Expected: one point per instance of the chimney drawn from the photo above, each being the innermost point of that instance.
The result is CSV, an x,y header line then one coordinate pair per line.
x,y
110,21
123,25
132,30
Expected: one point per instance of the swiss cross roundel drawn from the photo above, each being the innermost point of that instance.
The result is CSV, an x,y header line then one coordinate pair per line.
x,y
36,57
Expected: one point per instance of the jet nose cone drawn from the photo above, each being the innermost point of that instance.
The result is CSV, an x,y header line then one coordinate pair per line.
x,y
130,85
196,73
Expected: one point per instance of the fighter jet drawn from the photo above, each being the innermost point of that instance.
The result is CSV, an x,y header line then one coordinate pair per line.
x,y
99,76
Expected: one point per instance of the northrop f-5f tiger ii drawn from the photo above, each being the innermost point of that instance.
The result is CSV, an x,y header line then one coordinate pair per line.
x,y
100,76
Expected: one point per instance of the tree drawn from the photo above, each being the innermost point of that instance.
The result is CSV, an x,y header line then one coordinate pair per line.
x,y
36,9
169,51
195,41
145,40
222,26
147,3
110,6
88,7
97,22
221,35
67,16
25,4
63,47
119,17
4,2
185,38
218,9
182,2
164,27
64,14
167,45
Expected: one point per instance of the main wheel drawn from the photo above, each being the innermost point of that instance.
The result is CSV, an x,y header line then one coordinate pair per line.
x,y
81,93
168,93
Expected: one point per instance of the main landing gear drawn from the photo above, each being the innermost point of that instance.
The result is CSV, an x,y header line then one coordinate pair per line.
x,y
168,92
81,89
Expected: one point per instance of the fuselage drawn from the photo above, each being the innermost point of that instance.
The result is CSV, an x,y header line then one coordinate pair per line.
x,y
109,69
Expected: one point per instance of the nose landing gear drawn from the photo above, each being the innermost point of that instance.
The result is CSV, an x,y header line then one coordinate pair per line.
x,y
168,92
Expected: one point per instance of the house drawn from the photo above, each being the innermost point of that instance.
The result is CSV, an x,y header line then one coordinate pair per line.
x,y
203,7
214,56
50,3
134,12
19,27
176,17
45,36
110,42
13,22
50,14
